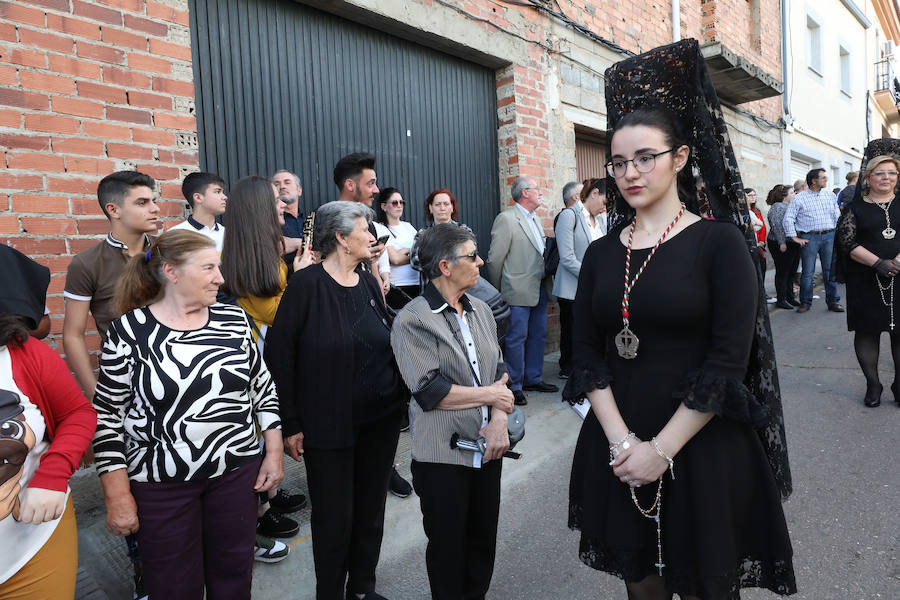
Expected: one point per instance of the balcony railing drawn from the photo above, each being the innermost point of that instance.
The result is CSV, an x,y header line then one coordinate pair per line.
x,y
884,75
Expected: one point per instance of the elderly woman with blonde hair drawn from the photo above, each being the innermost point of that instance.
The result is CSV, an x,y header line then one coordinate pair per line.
x,y
866,237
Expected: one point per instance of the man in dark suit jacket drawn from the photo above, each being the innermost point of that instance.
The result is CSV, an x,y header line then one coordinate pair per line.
x,y
515,266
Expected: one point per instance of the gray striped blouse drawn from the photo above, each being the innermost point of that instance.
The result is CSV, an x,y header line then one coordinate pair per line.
x,y
430,352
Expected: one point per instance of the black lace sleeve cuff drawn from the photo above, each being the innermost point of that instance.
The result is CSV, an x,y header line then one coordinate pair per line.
x,y
585,379
725,396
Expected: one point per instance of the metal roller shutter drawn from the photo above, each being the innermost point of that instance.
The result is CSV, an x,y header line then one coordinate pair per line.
x,y
282,85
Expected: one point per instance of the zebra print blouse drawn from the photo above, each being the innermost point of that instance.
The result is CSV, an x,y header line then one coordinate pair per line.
x,y
181,405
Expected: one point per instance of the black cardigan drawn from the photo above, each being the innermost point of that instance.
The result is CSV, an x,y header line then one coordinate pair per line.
x,y
310,353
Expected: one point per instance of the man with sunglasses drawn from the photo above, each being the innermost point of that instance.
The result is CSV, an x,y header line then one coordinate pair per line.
x,y
515,266
809,220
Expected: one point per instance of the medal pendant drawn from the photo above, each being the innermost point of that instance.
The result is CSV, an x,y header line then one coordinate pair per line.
x,y
627,343
888,233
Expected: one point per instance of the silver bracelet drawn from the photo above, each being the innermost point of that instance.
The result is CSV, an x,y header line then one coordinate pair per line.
x,y
665,456
617,448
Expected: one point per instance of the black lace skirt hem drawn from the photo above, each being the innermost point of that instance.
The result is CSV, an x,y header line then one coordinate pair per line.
x,y
750,572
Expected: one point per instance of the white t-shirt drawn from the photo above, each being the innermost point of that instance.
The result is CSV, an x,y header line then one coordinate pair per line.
x,y
384,263
19,542
216,234
402,237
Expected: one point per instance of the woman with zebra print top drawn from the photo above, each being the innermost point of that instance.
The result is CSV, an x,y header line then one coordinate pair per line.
x,y
181,393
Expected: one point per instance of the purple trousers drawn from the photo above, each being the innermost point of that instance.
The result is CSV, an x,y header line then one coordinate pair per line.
x,y
198,534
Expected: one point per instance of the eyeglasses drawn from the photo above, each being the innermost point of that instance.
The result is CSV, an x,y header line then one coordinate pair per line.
x,y
885,173
472,257
644,163
397,202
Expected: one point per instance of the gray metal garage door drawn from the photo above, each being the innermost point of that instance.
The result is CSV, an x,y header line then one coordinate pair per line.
x,y
282,85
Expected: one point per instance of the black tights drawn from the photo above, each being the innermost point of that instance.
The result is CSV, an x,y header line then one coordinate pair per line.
x,y
868,346
652,587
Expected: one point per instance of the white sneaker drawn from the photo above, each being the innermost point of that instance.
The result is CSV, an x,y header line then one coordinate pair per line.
x,y
268,550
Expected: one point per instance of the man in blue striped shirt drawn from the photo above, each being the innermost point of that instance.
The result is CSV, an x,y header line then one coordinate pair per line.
x,y
809,220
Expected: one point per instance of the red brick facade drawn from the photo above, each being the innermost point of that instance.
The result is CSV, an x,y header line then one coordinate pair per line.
x,y
87,88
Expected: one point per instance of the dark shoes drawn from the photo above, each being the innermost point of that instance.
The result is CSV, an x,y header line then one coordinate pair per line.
x,y
803,308
873,396
540,386
275,525
563,375
896,390
287,502
835,308
519,398
783,304
793,302
399,486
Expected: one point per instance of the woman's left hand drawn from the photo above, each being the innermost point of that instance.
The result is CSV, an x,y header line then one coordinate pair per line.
x,y
639,465
270,473
40,505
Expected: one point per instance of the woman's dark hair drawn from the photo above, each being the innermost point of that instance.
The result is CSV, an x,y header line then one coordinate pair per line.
x,y
438,243
251,255
453,215
13,330
590,185
777,194
674,136
383,197
142,279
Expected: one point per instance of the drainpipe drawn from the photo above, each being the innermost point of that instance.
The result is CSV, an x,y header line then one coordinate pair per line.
x,y
784,60
676,20
785,104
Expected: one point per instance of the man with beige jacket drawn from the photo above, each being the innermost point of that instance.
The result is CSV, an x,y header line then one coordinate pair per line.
x,y
515,266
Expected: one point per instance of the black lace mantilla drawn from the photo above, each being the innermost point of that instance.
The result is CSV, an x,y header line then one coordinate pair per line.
x,y
724,396
675,78
585,379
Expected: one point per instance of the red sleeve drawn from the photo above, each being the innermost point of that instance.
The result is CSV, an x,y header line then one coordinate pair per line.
x,y
71,420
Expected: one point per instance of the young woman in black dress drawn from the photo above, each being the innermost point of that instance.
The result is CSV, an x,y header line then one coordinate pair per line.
x,y
867,237
670,485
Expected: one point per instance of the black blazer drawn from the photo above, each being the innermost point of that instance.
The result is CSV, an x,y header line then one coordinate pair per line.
x,y
310,353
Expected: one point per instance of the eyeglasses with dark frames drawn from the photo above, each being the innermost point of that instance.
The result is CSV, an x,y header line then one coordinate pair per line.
x,y
472,257
397,202
644,163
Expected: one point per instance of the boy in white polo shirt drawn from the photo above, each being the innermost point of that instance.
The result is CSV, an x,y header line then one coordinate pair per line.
x,y
205,194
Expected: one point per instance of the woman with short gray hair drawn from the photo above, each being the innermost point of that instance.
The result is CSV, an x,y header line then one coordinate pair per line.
x,y
341,397
446,345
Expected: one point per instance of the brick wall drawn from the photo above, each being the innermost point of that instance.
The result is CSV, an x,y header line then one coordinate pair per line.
x,y
87,88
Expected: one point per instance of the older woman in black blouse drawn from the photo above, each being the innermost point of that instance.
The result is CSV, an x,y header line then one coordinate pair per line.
x,y
341,396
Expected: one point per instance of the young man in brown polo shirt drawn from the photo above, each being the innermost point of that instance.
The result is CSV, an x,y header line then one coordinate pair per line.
x,y
128,199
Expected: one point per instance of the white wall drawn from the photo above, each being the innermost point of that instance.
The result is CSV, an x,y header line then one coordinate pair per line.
x,y
828,103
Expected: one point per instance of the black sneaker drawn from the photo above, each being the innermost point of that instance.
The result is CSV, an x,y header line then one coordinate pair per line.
x,y
287,502
399,486
275,525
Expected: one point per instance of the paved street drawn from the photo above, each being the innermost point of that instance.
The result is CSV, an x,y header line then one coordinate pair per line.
x,y
843,515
